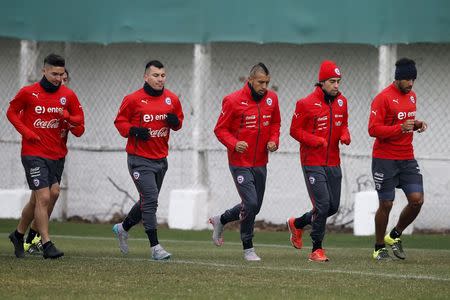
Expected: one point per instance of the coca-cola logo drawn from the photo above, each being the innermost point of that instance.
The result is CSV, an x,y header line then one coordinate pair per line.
x,y
163,132
53,123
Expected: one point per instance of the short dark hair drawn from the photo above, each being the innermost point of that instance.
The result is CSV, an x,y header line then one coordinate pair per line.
x,y
54,60
259,68
154,63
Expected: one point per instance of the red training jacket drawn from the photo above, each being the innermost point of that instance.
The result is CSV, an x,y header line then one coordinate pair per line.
x,y
43,118
319,127
389,109
139,109
244,119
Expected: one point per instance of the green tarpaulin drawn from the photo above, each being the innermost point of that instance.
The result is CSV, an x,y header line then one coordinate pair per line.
x,y
201,21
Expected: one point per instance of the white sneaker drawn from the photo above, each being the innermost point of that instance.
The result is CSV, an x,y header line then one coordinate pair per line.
x,y
158,253
250,255
217,235
122,236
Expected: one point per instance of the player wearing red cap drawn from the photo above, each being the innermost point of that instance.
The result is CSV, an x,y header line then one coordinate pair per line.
x,y
319,123
392,122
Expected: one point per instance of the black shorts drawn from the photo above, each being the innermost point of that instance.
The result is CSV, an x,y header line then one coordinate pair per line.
x,y
390,174
42,172
60,169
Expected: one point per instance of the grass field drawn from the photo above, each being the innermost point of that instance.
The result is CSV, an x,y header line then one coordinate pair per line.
x,y
94,268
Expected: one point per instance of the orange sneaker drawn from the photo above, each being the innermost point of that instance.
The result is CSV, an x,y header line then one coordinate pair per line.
x,y
296,234
318,255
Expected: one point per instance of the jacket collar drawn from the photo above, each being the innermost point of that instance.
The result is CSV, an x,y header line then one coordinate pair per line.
x,y
247,93
318,92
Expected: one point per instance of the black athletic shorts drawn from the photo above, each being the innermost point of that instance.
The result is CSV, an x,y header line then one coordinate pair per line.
x,y
42,172
390,174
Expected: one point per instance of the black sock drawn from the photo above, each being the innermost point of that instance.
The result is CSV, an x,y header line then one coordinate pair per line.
x,y
127,224
301,222
31,235
247,244
379,246
223,219
18,235
316,245
152,237
395,233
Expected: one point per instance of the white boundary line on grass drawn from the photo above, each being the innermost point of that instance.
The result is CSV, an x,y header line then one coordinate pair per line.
x,y
209,242
336,271
102,238
244,265
251,265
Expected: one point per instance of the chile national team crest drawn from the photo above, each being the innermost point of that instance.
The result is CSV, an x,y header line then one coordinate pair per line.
x,y
269,101
240,179
36,182
340,102
63,100
168,101
337,71
312,180
412,99
136,175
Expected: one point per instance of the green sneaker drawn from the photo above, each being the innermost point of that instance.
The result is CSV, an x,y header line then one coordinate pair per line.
x,y
37,241
396,245
26,246
35,247
34,250
381,254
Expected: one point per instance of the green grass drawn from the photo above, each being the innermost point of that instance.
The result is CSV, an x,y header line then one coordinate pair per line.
x,y
94,268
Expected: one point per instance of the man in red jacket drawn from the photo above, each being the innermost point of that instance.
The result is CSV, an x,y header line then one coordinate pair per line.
x,y
42,113
145,118
33,243
319,123
392,122
249,127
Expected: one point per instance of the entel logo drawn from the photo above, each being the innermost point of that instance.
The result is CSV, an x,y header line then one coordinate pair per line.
x,y
150,118
401,115
41,109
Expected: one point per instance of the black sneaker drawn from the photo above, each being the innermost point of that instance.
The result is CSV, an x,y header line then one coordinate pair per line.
x,y
50,251
18,245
